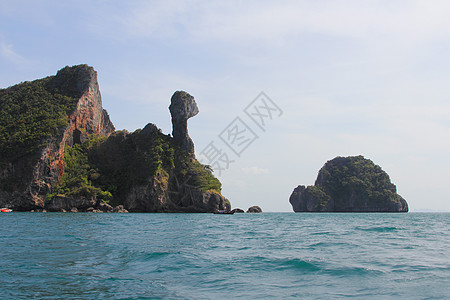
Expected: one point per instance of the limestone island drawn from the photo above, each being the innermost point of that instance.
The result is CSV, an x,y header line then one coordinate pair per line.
x,y
59,151
349,184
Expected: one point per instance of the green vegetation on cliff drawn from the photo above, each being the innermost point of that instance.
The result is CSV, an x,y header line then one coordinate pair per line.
x,y
107,168
343,177
125,160
203,178
30,114
79,175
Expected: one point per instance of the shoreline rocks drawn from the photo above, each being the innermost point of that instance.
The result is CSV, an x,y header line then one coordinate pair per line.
x,y
68,204
254,209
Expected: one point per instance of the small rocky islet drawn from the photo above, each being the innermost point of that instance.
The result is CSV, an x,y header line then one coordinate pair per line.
x,y
349,184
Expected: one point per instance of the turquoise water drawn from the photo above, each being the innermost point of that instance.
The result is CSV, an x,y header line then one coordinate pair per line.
x,y
206,256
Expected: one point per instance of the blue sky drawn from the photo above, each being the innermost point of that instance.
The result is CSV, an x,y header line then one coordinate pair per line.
x,y
351,77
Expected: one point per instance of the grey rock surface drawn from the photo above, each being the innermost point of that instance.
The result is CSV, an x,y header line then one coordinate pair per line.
x,y
254,209
182,107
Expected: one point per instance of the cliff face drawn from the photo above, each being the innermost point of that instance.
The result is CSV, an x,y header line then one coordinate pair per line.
x,y
349,184
77,162
73,93
88,117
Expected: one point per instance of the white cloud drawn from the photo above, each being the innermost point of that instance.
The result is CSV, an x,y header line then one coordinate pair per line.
x,y
8,53
255,171
267,20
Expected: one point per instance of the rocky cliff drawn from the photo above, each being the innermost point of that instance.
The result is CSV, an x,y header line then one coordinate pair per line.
x,y
38,120
349,184
78,162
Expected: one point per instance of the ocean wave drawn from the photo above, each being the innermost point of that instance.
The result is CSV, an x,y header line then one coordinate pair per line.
x,y
323,245
279,264
298,264
378,228
327,233
352,271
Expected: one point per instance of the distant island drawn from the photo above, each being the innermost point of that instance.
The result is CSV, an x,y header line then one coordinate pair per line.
x,y
59,151
349,184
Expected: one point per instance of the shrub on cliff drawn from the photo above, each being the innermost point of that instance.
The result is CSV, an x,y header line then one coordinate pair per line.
x,y
80,175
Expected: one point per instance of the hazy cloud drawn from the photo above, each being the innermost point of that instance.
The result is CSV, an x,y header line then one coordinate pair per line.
x,y
268,20
255,171
7,52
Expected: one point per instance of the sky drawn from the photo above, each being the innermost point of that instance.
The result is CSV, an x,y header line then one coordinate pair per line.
x,y
338,78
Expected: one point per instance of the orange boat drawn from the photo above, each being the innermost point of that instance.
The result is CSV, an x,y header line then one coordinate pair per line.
x,y
5,210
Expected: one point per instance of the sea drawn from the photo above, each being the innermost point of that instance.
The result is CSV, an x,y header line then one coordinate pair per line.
x,y
240,256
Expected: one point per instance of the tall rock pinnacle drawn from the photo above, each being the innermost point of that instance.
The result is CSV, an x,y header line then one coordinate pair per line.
x,y
182,107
